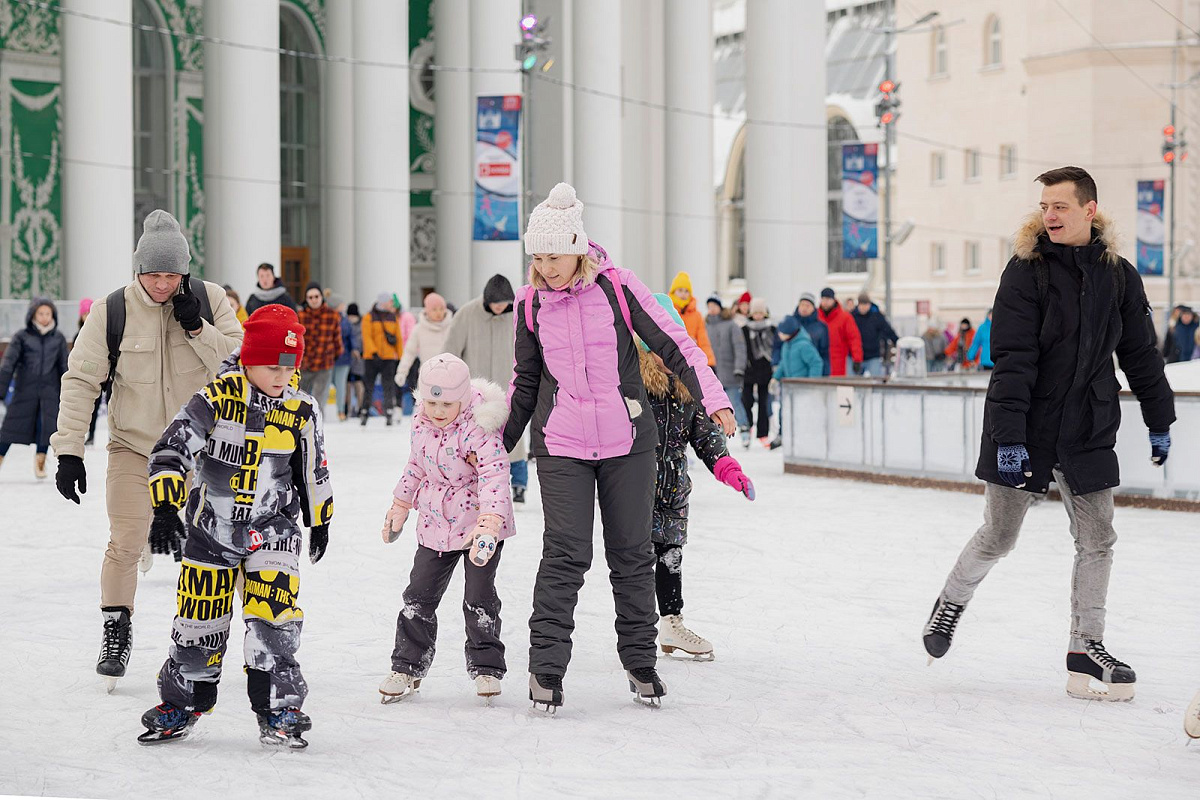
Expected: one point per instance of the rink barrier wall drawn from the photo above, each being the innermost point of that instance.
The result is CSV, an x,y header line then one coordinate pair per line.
x,y
927,435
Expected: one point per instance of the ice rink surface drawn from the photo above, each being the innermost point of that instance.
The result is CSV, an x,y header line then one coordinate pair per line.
x,y
813,596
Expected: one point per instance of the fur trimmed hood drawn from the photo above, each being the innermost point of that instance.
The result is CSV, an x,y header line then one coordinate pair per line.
x,y
1025,241
657,382
487,405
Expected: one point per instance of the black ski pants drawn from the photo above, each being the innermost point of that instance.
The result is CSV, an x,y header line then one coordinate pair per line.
x,y
416,626
758,384
569,487
384,369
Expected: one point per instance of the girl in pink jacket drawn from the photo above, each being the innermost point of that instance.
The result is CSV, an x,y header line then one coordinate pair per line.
x,y
457,480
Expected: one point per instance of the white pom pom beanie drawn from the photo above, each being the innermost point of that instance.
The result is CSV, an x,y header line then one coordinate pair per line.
x,y
556,225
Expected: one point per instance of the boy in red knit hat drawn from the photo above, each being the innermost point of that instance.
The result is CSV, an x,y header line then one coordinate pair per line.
x,y
253,443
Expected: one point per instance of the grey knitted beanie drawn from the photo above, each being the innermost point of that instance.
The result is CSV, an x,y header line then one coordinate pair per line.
x,y
162,247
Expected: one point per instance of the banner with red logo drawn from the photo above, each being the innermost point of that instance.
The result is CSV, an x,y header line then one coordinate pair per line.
x,y
1151,232
497,168
860,201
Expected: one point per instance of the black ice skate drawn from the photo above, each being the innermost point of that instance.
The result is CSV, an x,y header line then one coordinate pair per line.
x,y
546,691
117,644
166,723
283,728
646,686
1088,659
939,630
519,494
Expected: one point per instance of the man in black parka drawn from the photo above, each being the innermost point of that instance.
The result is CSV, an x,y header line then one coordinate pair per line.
x,y
1067,302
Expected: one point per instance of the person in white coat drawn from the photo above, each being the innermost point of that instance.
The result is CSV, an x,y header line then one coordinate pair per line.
x,y
427,339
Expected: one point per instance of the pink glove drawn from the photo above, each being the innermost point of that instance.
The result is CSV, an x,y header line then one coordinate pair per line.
x,y
729,472
394,521
483,539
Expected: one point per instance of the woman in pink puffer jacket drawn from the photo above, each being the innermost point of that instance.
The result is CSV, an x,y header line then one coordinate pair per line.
x,y
578,383
457,479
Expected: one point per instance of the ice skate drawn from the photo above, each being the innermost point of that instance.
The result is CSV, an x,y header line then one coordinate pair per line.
x,y
518,495
1087,660
745,438
487,687
115,648
674,637
147,560
546,691
39,466
397,686
939,630
648,689
283,728
1191,720
166,723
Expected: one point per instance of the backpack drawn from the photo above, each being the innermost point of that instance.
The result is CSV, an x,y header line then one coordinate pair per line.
x,y
115,330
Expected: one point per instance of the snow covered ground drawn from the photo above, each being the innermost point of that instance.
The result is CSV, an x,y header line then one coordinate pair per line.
x,y
814,597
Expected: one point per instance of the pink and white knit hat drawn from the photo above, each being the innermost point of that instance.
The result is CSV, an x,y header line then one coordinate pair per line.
x,y
556,225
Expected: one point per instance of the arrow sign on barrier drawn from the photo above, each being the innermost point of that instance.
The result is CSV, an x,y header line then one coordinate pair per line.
x,y
845,405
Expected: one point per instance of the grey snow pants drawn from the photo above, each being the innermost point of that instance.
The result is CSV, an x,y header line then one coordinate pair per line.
x,y
416,626
624,487
1091,518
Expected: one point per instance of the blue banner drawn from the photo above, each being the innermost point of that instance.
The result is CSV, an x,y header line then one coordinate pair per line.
x,y
860,201
497,169
1151,233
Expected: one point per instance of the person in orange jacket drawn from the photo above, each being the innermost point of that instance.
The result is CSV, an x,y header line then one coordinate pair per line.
x,y
844,339
381,353
693,320
960,346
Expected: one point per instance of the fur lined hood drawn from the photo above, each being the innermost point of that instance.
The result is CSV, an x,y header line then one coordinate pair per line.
x,y
1025,241
657,382
487,406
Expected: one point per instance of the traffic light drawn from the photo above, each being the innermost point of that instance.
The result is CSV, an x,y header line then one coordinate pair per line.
x,y
1173,146
533,43
885,109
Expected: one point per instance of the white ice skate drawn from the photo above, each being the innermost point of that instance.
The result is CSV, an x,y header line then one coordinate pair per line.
x,y
397,686
1088,661
674,636
487,687
1191,720
147,559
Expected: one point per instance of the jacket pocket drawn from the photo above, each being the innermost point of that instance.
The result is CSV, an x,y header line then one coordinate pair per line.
x,y
1106,413
184,359
139,362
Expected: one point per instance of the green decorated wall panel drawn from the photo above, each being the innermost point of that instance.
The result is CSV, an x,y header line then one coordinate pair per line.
x,y
35,191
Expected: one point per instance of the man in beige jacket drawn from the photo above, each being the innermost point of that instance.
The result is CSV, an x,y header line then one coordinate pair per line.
x,y
167,353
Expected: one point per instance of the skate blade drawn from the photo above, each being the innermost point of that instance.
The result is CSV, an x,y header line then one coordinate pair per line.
x,y
158,737
1080,687
542,708
679,654
389,699
648,702
282,741
110,683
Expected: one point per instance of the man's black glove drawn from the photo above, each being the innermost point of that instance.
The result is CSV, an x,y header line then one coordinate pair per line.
x,y
187,307
166,532
71,472
318,540
857,365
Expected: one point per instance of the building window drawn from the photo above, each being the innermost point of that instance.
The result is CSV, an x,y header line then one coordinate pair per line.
x,y
1008,161
940,64
991,46
299,144
937,168
971,257
151,170
839,132
937,258
973,169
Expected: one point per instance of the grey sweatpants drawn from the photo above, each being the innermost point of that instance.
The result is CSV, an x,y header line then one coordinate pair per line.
x,y
569,487
1091,518
416,627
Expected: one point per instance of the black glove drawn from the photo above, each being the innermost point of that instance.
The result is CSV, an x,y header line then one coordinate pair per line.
x,y
1012,462
318,540
1160,447
166,532
71,472
187,307
857,367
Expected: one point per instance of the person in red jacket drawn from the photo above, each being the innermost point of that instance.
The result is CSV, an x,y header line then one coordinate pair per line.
x,y
845,342
959,349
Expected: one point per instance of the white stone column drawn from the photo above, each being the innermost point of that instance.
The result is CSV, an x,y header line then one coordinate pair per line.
x,y
691,208
494,32
643,141
596,63
338,211
97,127
381,217
786,251
454,141
241,102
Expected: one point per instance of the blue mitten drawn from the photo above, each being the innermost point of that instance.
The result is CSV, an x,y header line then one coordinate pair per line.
x,y
1012,462
1160,447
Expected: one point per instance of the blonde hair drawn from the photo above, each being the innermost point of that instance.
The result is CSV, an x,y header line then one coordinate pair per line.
x,y
585,273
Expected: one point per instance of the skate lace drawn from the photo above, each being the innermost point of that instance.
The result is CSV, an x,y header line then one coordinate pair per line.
x,y
116,638
645,674
171,717
549,681
1101,656
284,719
683,632
946,619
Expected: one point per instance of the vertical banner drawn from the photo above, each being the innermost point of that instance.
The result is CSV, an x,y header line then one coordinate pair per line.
x,y
1151,233
860,201
497,168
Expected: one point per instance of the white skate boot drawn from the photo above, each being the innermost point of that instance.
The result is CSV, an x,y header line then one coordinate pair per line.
x,y
397,686
487,687
1191,720
673,635
1089,660
147,560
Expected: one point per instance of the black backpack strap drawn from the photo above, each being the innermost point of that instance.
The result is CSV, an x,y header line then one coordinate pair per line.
x,y
201,292
115,331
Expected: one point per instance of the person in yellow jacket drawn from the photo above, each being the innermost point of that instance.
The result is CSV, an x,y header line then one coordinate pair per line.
x,y
381,353
693,321
167,352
